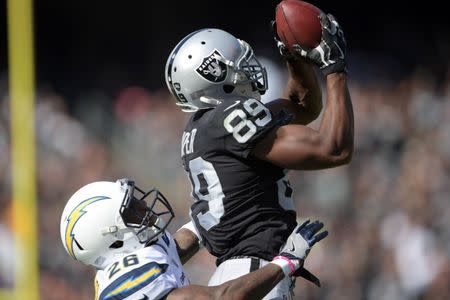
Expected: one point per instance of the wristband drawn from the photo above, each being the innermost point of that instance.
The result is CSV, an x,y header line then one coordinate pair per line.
x,y
191,227
288,266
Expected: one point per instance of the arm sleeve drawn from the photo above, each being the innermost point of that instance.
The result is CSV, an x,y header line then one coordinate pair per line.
x,y
191,227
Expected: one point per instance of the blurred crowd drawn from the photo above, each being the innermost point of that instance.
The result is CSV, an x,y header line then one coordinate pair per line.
x,y
388,211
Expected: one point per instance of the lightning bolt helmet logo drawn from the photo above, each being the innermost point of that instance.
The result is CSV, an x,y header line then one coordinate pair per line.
x,y
72,219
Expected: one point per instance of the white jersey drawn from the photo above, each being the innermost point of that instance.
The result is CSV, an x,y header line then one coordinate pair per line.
x,y
146,274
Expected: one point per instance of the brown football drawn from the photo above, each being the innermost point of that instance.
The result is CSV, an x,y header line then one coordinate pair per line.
x,y
298,23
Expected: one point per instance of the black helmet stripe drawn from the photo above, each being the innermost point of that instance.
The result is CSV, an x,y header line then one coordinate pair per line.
x,y
172,58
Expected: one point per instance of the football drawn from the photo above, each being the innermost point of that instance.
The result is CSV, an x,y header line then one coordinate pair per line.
x,y
298,23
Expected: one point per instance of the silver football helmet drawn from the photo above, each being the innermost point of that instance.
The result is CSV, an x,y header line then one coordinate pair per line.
x,y
210,65
104,221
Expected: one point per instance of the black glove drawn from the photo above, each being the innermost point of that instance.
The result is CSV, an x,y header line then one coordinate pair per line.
x,y
297,248
330,54
284,51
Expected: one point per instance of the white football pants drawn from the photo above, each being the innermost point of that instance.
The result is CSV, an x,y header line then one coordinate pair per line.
x,y
234,268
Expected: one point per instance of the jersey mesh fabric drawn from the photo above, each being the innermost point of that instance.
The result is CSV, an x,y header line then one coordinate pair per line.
x,y
150,272
239,191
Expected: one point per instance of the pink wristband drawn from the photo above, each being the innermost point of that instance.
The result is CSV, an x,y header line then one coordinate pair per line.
x,y
285,263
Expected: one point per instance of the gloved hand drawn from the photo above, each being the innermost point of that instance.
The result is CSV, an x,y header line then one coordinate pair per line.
x,y
284,51
329,56
297,247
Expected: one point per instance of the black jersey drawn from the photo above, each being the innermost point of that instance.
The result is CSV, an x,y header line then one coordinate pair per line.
x,y
242,205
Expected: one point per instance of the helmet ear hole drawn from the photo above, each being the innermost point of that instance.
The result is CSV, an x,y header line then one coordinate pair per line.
x,y
116,245
228,88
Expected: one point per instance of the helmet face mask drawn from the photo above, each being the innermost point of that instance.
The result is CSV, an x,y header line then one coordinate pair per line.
x,y
104,221
145,210
209,66
251,68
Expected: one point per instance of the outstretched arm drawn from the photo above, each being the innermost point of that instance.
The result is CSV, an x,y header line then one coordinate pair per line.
x,y
254,285
187,241
257,284
302,96
303,88
300,147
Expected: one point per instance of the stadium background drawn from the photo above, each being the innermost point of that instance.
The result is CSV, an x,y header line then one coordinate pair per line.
x,y
103,111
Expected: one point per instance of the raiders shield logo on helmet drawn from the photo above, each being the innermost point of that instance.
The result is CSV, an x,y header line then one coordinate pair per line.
x,y
213,68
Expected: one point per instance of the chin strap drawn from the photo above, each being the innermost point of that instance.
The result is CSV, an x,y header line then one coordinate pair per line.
x,y
210,100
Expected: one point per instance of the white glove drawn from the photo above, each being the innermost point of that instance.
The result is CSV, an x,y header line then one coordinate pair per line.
x,y
297,247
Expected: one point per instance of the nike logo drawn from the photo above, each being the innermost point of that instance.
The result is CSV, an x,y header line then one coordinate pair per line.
x,y
292,247
144,298
232,105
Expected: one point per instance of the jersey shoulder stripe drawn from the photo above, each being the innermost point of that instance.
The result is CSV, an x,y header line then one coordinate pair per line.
x,y
131,282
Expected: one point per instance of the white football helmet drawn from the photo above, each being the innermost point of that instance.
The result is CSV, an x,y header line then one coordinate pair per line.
x,y
210,65
104,221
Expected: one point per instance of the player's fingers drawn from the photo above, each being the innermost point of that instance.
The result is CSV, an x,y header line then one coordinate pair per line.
x,y
312,229
324,21
302,226
332,25
332,19
316,226
302,51
320,236
273,27
336,25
